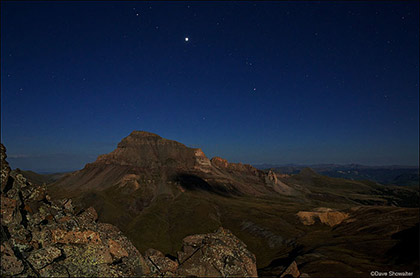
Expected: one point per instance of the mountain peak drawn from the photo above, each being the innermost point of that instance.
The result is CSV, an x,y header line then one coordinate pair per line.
x,y
307,171
148,150
142,133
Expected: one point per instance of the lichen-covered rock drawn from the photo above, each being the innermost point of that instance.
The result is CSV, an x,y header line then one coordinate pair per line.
x,y
88,216
5,169
159,264
9,211
217,254
75,237
43,257
44,238
10,265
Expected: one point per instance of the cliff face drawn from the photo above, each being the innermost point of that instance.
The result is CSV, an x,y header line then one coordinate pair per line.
x,y
221,163
42,237
147,150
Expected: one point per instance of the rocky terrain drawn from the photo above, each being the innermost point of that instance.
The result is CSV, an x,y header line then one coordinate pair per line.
x,y
159,192
41,237
326,216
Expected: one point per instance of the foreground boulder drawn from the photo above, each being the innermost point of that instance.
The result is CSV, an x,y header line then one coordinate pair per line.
x,y
41,237
218,254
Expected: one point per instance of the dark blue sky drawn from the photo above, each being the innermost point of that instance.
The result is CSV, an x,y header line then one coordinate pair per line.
x,y
257,82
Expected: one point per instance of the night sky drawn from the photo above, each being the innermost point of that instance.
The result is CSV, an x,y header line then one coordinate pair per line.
x,y
256,82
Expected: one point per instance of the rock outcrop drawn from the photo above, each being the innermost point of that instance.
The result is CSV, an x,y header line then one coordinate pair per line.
x,y
235,167
291,271
326,216
41,237
218,254
277,185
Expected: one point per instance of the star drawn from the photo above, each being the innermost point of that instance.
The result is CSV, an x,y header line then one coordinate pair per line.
x,y
187,39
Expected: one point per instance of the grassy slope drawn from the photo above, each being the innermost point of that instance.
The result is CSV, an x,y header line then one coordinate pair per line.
x,y
273,230
37,178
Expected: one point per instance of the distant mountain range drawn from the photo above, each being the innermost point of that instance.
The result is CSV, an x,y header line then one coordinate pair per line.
x,y
393,175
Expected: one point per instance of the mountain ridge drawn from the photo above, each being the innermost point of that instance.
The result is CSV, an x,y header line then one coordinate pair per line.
x,y
278,216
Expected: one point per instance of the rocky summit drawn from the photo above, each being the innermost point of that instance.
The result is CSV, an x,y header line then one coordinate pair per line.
x,y
148,150
41,237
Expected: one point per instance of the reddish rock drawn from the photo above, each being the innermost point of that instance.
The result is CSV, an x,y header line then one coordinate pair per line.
x,y
88,216
9,212
159,264
28,209
64,219
235,167
327,216
219,162
116,250
75,237
292,270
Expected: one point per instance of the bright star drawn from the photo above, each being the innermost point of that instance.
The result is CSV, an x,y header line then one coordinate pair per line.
x,y
186,39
